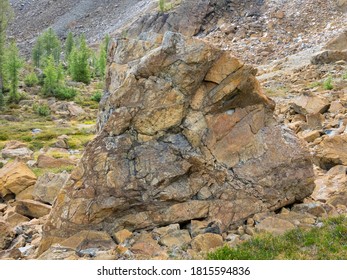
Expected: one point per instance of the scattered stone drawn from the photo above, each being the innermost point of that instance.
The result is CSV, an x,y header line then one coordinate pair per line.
x,y
336,107
274,225
310,104
310,136
96,240
67,109
122,235
178,238
332,151
44,161
16,149
15,177
197,227
315,208
146,245
329,56
59,253
332,187
6,235
207,241
31,208
14,219
48,186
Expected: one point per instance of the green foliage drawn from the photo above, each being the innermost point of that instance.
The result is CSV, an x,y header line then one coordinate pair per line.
x,y
26,138
42,110
162,5
344,76
47,44
12,66
53,76
96,96
2,100
79,62
107,40
37,52
327,242
327,85
65,93
4,137
41,171
31,79
6,15
99,61
69,45
53,83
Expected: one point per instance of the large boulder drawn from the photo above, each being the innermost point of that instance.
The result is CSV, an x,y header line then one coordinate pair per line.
x,y
184,133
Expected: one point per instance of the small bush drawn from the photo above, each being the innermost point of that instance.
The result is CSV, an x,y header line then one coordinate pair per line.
x,y
42,110
3,137
36,145
26,138
327,85
344,76
96,96
1,164
162,5
31,80
65,93
74,143
47,135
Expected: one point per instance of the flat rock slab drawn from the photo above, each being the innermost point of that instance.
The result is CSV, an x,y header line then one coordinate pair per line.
x,y
31,208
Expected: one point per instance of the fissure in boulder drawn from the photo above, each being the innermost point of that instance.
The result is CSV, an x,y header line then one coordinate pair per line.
x,y
184,133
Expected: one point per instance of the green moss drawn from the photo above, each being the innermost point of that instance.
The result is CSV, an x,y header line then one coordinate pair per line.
x,y
326,243
41,171
3,136
327,85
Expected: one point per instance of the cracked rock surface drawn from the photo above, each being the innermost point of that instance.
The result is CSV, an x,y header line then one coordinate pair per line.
x,y
184,133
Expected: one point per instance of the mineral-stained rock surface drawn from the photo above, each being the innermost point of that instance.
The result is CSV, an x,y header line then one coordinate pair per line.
x,y
185,133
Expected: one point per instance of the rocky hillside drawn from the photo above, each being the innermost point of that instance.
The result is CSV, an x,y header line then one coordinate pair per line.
x,y
193,147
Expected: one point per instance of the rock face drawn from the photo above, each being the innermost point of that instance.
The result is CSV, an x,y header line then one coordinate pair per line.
x,y
186,17
184,133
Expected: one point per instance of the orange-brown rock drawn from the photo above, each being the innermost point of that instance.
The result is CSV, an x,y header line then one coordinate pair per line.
x,y
15,177
207,241
31,208
44,161
184,133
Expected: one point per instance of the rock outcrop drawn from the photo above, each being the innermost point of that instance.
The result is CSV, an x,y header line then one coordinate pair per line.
x,y
184,133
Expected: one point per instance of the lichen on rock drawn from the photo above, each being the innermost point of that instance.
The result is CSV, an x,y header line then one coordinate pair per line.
x,y
184,133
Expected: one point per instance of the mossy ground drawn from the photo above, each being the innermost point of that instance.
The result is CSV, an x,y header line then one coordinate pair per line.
x,y
328,242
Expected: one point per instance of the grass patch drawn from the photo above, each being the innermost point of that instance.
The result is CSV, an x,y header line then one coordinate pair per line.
x,y
344,76
41,171
314,84
326,243
328,83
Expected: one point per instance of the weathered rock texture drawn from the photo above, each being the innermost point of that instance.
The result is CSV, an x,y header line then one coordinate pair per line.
x,y
184,133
